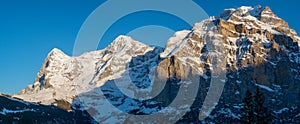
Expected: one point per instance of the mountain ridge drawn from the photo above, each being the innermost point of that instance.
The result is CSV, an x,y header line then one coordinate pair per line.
x,y
260,48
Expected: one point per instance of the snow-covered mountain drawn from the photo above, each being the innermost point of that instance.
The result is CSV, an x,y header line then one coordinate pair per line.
x,y
259,49
61,76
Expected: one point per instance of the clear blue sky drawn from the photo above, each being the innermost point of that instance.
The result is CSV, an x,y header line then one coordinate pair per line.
x,y
29,29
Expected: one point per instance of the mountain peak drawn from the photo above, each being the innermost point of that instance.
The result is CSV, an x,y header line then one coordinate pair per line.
x,y
267,8
123,41
241,12
247,14
267,12
244,11
123,38
55,52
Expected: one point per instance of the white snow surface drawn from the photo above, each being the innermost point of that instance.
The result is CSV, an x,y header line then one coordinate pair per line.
x,y
265,87
7,111
281,110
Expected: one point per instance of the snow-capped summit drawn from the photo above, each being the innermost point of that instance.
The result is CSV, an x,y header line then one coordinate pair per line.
x,y
242,11
56,53
123,43
126,40
258,13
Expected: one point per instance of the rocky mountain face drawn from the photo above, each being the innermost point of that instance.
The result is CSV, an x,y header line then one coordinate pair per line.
x,y
255,48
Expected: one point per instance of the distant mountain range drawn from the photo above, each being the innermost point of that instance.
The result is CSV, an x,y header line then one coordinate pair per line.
x,y
261,60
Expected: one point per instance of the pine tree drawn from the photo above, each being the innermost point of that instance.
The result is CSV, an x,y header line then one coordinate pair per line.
x,y
248,109
254,111
261,112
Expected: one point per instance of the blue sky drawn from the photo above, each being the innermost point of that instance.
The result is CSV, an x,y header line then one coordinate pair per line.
x,y
29,29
